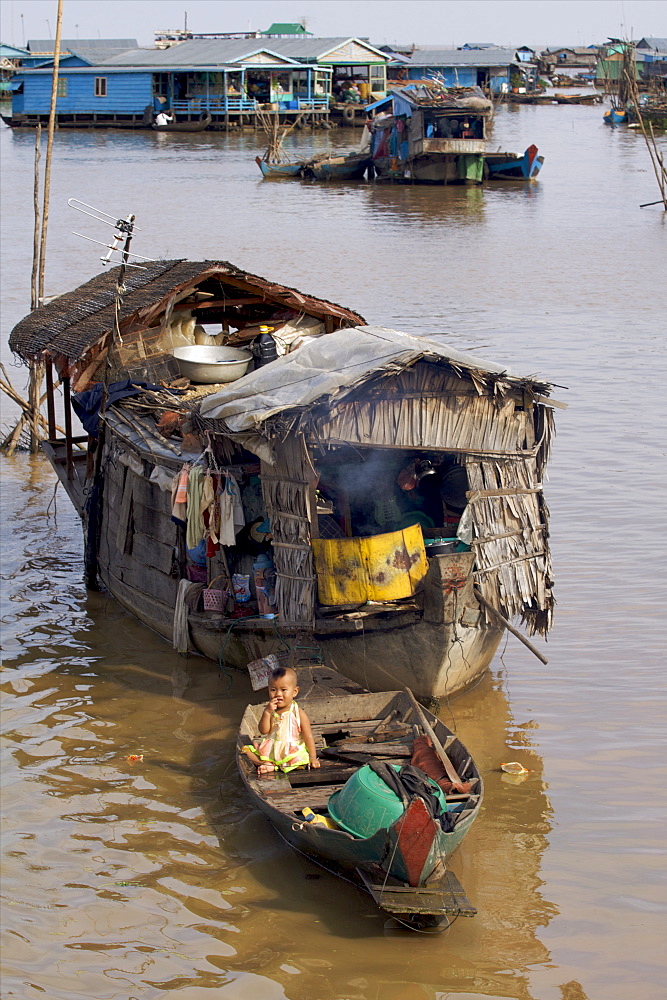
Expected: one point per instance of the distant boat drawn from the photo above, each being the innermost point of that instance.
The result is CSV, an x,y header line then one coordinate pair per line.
x,y
290,169
196,126
615,117
513,166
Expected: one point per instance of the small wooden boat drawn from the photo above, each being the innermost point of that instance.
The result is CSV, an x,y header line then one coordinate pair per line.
x,y
513,166
403,864
175,126
615,116
290,169
339,168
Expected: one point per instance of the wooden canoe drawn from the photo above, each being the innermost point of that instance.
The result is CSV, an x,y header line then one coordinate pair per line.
x,y
341,168
175,126
402,866
293,169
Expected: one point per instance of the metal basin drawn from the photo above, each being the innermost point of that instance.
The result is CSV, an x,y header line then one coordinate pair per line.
x,y
211,365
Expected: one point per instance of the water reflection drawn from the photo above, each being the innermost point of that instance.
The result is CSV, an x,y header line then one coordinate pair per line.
x,y
163,883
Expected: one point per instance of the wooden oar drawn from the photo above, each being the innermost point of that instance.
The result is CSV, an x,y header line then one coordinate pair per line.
x,y
437,745
510,627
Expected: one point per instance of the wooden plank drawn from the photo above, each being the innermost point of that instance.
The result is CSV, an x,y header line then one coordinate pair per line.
x,y
376,749
151,552
320,776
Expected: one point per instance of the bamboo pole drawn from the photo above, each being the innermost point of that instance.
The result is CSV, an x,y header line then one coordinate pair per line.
x,y
510,628
35,240
49,153
657,161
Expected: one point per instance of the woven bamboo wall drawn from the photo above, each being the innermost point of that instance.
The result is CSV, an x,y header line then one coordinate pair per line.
x,y
510,539
285,487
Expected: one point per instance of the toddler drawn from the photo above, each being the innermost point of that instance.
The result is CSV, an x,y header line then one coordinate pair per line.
x,y
288,741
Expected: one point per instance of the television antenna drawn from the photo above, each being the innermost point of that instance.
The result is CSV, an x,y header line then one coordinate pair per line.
x,y
120,243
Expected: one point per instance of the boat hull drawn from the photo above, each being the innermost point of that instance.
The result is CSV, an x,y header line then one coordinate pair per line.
x,y
433,168
614,117
197,126
279,169
513,166
437,649
409,858
338,168
436,661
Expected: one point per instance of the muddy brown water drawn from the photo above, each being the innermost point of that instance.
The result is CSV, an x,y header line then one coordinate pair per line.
x,y
133,882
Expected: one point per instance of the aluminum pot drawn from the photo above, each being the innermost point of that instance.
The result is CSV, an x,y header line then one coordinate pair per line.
x,y
212,365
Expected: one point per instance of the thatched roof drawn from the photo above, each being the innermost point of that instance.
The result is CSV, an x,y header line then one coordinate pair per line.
x,y
71,324
326,367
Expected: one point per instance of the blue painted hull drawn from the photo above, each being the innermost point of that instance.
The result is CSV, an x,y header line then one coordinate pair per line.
x,y
512,166
614,117
279,169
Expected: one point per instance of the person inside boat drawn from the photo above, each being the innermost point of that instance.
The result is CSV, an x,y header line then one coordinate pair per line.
x,y
164,118
288,740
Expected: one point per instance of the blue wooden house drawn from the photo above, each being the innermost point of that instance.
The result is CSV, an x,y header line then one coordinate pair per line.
x,y
230,79
479,66
11,59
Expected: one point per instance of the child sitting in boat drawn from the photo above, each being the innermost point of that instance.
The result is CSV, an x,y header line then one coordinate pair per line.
x,y
288,741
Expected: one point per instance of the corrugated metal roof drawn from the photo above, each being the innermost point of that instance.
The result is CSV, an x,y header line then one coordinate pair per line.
x,y
99,45
225,51
458,57
202,52
11,51
654,44
292,28
318,48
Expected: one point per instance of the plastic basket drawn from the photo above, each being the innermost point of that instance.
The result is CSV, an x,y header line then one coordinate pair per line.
x,y
214,599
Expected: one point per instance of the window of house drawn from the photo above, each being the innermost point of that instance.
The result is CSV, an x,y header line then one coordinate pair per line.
x,y
62,86
161,84
378,79
100,86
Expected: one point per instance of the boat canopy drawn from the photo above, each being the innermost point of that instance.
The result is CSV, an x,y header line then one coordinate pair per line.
x,y
329,365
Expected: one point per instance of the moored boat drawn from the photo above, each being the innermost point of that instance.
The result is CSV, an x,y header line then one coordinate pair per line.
x,y
615,116
289,169
185,126
344,167
390,841
430,135
397,482
513,166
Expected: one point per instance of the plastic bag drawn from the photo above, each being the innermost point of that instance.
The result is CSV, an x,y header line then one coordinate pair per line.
x,y
241,584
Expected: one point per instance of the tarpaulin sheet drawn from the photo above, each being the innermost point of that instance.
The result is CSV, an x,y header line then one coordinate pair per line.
x,y
322,368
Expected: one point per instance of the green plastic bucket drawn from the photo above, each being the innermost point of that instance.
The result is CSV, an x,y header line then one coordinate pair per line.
x,y
366,804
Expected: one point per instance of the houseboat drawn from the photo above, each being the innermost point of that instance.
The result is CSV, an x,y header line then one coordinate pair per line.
x,y
363,497
430,135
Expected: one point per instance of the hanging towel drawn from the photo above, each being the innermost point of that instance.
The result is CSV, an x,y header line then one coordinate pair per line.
x,y
195,531
185,597
164,478
179,496
231,511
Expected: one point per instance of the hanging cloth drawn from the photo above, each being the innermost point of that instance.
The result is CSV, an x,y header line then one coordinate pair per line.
x,y
179,496
232,518
195,521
